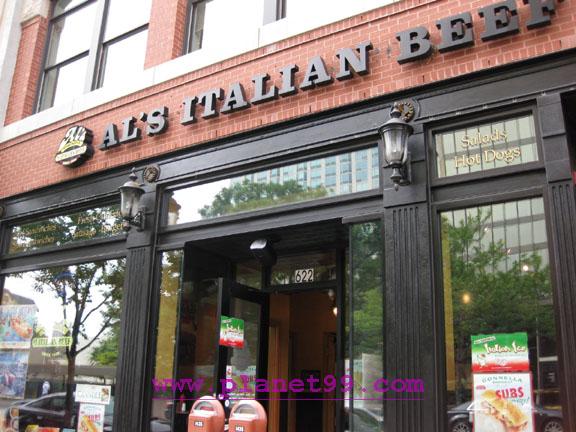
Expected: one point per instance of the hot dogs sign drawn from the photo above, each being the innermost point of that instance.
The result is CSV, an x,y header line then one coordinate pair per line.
x,y
485,146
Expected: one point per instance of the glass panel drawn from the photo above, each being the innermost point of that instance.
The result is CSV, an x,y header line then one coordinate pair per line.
x,y
170,291
317,267
496,287
65,5
196,359
71,35
486,146
243,361
318,178
365,410
249,273
197,30
124,59
60,329
61,84
60,230
126,15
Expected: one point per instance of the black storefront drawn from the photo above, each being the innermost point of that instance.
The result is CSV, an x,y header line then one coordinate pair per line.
x,y
471,220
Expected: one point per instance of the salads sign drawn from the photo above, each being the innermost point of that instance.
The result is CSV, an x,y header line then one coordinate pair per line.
x,y
504,352
456,32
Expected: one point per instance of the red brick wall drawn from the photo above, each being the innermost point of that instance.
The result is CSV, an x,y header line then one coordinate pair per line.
x,y
27,70
35,151
166,31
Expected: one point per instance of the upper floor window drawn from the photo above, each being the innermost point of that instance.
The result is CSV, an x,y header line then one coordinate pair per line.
x,y
196,17
91,44
274,10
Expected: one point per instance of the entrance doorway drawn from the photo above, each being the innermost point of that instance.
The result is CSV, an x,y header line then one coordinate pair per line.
x,y
286,305
303,333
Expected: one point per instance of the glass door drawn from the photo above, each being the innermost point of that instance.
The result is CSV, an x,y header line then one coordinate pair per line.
x,y
242,343
222,334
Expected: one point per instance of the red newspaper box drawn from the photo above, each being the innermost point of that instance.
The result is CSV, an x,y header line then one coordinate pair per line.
x,y
206,415
248,416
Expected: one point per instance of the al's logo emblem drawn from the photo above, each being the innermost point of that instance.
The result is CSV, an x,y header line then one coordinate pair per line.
x,y
76,147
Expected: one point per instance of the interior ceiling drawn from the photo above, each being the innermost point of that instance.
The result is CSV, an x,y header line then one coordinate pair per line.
x,y
286,240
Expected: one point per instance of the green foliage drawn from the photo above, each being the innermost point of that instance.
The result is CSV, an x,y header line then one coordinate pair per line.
x,y
248,196
367,286
488,297
106,352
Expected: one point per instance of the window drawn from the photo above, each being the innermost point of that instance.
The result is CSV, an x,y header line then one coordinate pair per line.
x,y
498,299
274,10
92,44
365,322
196,18
303,181
60,328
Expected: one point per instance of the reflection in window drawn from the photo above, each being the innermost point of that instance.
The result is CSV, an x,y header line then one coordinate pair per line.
x,y
60,328
366,408
314,179
497,281
170,291
88,224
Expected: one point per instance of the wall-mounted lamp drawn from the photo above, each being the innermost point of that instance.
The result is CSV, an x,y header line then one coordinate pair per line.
x,y
130,210
395,133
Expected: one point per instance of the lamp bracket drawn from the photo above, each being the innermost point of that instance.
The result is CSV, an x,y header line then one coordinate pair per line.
x,y
408,108
138,221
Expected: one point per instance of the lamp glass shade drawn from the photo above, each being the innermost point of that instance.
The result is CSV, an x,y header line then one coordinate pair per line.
x,y
395,138
130,201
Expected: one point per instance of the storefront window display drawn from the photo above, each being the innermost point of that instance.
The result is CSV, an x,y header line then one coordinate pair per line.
x,y
499,314
59,346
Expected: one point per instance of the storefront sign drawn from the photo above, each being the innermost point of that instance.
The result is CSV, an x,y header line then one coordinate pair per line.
x,y
456,32
500,352
93,394
232,332
503,402
76,147
499,20
486,146
59,230
91,418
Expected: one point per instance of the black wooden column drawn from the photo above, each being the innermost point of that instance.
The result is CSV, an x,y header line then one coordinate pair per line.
x,y
409,317
132,398
561,208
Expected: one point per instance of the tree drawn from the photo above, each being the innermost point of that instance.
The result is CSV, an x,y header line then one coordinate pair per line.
x,y
251,196
74,288
487,297
89,294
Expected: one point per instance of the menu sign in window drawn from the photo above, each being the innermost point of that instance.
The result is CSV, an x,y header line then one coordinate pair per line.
x,y
486,146
59,230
